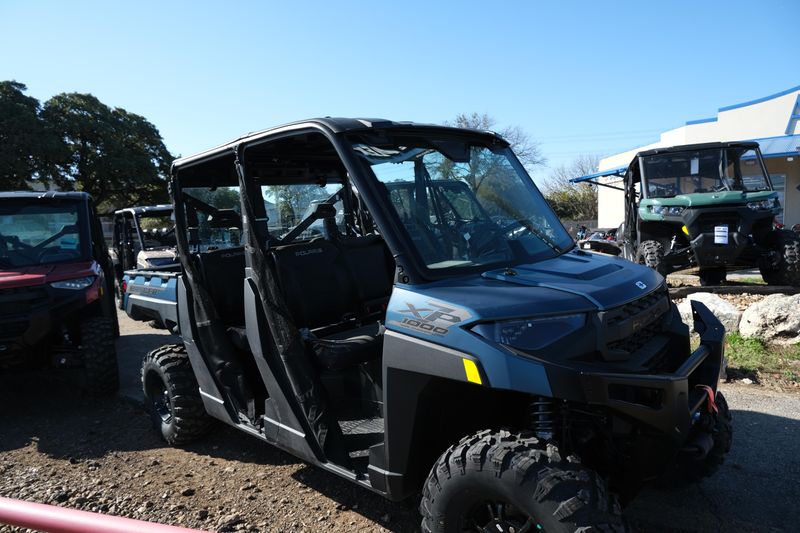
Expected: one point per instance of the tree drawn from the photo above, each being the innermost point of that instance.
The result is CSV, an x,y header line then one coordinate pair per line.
x,y
29,148
526,149
116,156
573,201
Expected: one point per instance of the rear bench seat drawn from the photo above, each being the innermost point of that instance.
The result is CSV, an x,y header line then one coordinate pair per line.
x,y
338,293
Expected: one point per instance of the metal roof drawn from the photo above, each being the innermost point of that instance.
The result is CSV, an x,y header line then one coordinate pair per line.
x,y
138,210
49,195
784,145
335,125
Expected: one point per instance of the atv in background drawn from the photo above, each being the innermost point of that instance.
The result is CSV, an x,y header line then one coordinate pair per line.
x,y
143,238
56,298
439,335
708,206
600,240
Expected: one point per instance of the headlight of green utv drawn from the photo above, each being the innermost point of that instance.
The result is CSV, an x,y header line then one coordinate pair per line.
x,y
530,333
668,210
769,203
74,284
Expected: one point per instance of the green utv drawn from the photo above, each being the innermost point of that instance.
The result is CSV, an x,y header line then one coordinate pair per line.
x,y
708,206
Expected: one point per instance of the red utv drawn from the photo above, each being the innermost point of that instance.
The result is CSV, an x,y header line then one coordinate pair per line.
x,y
56,306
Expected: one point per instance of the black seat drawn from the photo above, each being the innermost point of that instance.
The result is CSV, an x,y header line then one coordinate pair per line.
x,y
322,295
223,272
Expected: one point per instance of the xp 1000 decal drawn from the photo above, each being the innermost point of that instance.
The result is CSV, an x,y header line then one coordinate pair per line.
x,y
432,318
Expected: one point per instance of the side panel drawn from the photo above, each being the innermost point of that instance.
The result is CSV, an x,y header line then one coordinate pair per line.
x,y
212,397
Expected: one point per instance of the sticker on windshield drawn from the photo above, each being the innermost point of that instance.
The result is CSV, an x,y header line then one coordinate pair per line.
x,y
434,318
720,234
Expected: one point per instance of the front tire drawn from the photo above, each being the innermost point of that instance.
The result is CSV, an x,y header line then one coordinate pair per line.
x,y
651,253
786,269
498,480
172,395
99,356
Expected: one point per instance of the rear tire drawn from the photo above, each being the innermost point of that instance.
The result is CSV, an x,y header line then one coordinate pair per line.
x,y
172,395
651,253
99,355
712,276
496,480
786,270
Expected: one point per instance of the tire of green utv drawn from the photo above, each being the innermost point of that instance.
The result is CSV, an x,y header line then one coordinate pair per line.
x,y
498,480
172,395
786,271
712,276
99,356
651,253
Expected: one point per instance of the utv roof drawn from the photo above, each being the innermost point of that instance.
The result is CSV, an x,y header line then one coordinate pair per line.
x,y
701,146
334,125
138,210
49,195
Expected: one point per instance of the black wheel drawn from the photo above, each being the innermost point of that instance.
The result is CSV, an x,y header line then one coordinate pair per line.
x,y
651,253
712,276
785,268
99,355
511,482
173,396
720,426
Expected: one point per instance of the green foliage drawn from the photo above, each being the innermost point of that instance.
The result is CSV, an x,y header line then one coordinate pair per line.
x,y
116,156
29,148
79,143
752,355
573,201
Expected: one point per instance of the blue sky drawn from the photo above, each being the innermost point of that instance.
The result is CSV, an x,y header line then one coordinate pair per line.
x,y
580,77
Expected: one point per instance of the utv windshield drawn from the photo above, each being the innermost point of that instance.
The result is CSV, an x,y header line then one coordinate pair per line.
x,y
42,233
158,229
700,171
465,205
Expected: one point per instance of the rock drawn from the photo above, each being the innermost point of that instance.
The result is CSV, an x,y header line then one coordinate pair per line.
x,y
726,312
775,319
187,492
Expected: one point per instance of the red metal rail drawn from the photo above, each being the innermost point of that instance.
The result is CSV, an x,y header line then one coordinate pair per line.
x,y
54,519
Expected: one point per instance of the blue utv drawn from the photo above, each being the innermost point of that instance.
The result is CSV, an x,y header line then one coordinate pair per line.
x,y
397,304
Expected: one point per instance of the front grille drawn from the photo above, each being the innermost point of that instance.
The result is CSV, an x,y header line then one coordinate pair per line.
x,y
641,337
11,330
706,224
621,314
21,300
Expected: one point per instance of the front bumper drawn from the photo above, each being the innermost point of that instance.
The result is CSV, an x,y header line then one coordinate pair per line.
x,y
664,402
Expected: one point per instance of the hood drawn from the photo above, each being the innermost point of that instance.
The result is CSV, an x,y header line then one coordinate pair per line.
x,y
603,281
575,282
40,274
702,199
156,258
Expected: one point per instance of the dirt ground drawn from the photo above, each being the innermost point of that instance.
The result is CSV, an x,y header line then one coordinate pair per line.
x,y
59,447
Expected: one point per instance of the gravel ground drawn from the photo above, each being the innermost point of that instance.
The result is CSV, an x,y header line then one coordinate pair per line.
x,y
62,448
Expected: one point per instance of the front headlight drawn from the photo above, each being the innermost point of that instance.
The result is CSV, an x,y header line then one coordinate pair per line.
x,y
668,210
74,284
769,203
530,333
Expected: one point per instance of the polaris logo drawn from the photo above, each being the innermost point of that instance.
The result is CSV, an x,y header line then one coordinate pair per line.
x,y
641,285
